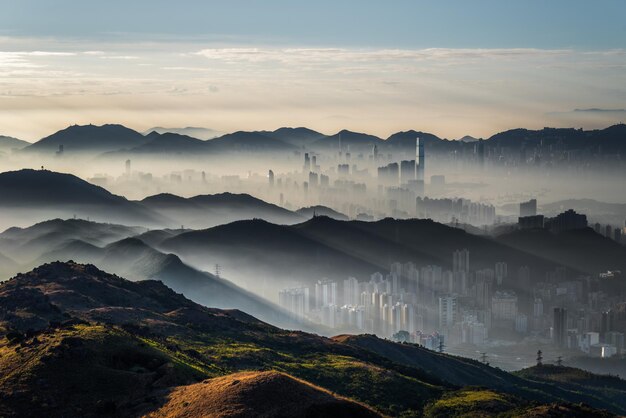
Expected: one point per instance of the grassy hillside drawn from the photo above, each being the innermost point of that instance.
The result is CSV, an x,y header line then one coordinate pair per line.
x,y
75,341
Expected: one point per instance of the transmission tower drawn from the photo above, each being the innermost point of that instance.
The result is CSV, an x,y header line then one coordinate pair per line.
x,y
539,358
441,346
559,361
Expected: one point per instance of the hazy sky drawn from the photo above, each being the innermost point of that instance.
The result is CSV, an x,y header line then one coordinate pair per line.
x,y
449,67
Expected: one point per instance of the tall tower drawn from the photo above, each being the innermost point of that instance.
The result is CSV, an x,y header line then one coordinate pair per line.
x,y
420,158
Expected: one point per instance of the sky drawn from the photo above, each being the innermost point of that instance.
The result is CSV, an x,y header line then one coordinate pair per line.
x,y
452,68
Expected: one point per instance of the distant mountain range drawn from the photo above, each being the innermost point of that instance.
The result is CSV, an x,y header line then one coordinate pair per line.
x,y
212,210
30,196
8,144
323,247
118,139
196,132
76,341
122,250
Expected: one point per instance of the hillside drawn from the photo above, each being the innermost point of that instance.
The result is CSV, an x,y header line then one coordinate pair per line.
x,y
268,393
581,249
169,143
76,341
347,248
355,141
298,137
205,211
542,384
120,250
30,196
319,210
8,143
89,138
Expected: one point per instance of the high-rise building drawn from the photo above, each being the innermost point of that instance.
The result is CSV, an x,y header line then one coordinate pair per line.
x,y
325,293
559,327
460,260
351,293
420,159
447,311
407,171
504,306
296,301
502,272
270,176
528,208
313,179
307,162
127,168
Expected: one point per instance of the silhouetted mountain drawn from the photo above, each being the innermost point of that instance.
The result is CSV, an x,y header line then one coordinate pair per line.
x,y
407,140
355,140
157,236
321,211
581,249
195,132
77,341
610,139
26,244
247,141
295,136
35,195
8,143
8,267
116,249
90,138
169,143
323,247
210,210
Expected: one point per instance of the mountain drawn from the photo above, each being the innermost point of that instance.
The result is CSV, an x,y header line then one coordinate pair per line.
x,y
247,142
76,341
195,132
257,394
321,211
581,249
407,140
120,250
356,141
298,137
34,195
169,143
608,140
8,143
8,267
324,247
26,244
89,138
205,211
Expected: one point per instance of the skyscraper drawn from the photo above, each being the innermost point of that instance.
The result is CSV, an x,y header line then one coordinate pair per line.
x,y
420,158
307,162
407,171
460,260
447,311
528,208
559,327
270,176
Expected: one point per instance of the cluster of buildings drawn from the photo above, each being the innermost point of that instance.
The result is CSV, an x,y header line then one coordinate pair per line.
x,y
430,305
